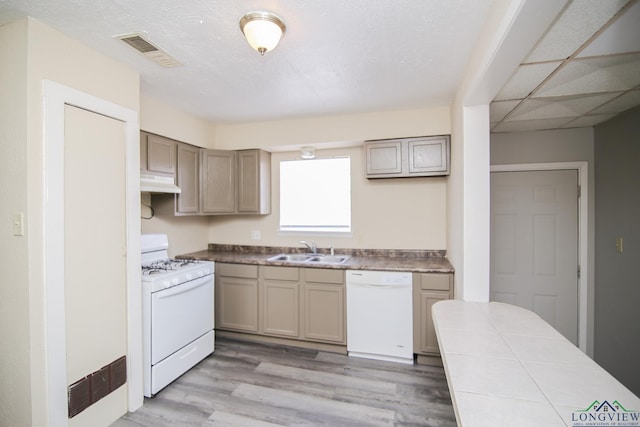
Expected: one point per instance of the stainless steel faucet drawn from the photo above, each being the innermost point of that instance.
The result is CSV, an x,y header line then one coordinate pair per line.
x,y
312,247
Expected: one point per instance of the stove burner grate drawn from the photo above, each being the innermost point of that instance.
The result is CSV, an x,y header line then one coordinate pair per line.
x,y
165,265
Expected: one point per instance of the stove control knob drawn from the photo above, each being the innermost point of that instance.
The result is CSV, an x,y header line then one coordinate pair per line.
x,y
175,281
166,284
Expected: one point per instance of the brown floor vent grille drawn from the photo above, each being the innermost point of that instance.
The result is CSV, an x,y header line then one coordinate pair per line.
x,y
88,390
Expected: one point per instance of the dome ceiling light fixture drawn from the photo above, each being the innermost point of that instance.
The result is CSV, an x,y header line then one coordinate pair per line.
x,y
263,30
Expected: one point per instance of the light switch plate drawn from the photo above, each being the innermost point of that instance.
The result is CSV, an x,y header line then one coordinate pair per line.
x,y
619,244
18,224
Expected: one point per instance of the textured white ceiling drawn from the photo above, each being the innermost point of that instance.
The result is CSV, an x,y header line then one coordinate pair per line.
x,y
340,57
336,56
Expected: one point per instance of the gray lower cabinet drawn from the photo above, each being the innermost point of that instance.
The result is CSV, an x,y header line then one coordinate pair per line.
x,y
236,297
323,305
408,157
288,302
280,301
428,288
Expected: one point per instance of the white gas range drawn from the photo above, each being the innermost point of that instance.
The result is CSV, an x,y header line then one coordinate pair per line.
x,y
177,313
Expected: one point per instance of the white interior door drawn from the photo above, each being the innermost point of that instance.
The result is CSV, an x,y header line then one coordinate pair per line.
x,y
534,244
94,253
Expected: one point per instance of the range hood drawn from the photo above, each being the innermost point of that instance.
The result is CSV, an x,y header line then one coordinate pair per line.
x,y
158,184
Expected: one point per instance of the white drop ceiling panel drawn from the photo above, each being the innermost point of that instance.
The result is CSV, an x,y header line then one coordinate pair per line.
x,y
599,74
589,70
579,22
573,106
499,109
622,103
623,36
526,78
585,121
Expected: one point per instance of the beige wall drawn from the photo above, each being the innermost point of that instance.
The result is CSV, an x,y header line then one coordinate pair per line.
x,y
186,233
332,131
36,52
386,213
160,118
15,378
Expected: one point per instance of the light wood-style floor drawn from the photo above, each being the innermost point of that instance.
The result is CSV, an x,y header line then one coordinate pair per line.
x,y
248,384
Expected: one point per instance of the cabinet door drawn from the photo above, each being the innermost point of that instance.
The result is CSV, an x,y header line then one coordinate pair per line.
x,y
383,158
188,166
254,183
429,156
280,308
218,182
236,304
427,340
161,155
324,313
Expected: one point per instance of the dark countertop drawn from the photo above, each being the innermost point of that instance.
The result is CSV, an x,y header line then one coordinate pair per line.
x,y
418,261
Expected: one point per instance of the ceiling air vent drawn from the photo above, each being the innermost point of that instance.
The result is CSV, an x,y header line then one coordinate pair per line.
x,y
148,49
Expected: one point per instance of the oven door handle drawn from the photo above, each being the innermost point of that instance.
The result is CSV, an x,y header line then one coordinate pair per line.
x,y
180,289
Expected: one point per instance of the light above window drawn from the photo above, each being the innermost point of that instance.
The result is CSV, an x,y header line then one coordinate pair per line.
x,y
263,30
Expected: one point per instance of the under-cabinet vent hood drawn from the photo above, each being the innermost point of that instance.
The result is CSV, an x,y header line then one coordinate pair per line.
x,y
158,184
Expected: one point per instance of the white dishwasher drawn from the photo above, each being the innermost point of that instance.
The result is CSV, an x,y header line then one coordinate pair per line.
x,y
380,315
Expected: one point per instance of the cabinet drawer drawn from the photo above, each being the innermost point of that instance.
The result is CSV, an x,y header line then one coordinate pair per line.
x,y
435,281
321,275
281,273
237,270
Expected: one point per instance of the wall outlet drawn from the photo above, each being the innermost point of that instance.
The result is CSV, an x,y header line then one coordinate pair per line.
x,y
255,234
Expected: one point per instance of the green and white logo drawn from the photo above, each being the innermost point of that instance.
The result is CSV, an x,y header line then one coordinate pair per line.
x,y
605,414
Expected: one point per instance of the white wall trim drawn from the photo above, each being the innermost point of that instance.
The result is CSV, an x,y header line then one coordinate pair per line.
x,y
55,97
583,233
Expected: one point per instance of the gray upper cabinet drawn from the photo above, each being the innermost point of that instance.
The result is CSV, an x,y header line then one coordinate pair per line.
x,y
408,157
157,154
218,179
254,182
384,158
212,182
188,174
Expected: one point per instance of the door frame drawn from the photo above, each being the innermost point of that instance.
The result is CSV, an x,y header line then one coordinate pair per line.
x,y
583,232
55,97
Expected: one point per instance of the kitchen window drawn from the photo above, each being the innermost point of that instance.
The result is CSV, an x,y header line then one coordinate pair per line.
x,y
315,195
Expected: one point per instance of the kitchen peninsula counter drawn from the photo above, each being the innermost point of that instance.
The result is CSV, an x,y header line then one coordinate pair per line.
x,y
417,261
506,366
